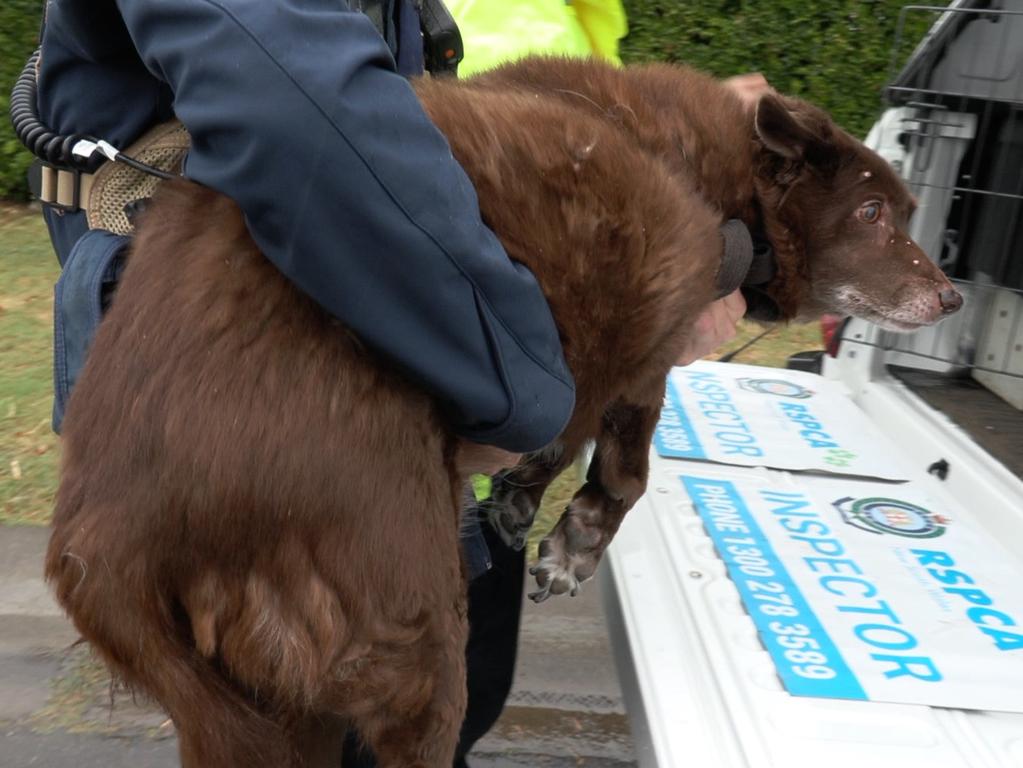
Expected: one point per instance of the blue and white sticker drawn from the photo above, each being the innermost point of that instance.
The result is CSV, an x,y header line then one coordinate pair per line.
x,y
807,660
750,416
861,590
674,435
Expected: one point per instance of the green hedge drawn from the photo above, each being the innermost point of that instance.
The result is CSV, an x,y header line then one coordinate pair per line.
x,y
834,53
19,35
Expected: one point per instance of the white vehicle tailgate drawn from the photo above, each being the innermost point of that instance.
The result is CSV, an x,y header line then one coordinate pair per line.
x,y
702,689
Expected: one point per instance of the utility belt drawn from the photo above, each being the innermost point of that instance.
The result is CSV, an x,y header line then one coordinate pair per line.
x,y
110,195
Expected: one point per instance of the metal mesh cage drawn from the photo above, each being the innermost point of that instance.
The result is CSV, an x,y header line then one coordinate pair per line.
x,y
955,132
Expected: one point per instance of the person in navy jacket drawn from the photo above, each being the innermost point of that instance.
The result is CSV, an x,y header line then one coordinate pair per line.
x,y
296,111
300,111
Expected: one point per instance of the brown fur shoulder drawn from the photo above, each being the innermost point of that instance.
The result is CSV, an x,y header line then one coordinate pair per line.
x,y
622,246
686,118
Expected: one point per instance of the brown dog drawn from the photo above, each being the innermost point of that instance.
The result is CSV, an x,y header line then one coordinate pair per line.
x,y
257,523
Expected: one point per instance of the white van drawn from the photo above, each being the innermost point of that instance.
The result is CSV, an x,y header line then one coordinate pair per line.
x,y
939,412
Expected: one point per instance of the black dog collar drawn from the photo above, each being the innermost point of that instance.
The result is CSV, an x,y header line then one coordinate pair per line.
x,y
747,260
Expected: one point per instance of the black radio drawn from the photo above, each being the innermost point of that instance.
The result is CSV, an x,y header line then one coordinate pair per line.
x,y
442,42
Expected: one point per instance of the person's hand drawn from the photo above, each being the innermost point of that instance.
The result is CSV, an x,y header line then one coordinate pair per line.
x,y
715,325
749,88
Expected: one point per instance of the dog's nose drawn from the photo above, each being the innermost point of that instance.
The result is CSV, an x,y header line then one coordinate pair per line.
x,y
951,300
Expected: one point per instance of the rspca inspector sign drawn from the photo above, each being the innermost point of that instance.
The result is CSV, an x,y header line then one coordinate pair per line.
x,y
872,592
752,416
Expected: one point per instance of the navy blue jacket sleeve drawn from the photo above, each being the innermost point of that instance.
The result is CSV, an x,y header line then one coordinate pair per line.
x,y
296,112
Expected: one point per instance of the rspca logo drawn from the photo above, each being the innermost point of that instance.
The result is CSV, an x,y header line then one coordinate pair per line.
x,y
777,387
881,515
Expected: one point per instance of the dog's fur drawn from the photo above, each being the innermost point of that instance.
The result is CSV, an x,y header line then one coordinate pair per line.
x,y
257,524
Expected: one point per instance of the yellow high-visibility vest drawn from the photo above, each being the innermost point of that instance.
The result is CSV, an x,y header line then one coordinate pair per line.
x,y
496,31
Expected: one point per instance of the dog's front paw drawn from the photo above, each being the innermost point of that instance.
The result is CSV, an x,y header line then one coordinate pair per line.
x,y
569,555
511,509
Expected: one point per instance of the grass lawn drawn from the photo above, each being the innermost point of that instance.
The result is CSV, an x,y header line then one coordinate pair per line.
x,y
28,448
29,451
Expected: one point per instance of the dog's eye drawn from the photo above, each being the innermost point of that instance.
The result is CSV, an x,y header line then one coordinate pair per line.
x,y
869,212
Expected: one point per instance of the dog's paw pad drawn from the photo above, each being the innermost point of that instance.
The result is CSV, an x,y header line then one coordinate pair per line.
x,y
511,531
558,571
553,579
510,511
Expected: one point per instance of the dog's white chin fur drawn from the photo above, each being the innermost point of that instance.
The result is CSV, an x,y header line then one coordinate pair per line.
x,y
903,319
896,325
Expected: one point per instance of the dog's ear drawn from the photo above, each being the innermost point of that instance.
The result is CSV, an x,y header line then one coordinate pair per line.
x,y
792,129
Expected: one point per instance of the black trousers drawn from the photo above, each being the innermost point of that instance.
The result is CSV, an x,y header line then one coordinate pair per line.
x,y
495,603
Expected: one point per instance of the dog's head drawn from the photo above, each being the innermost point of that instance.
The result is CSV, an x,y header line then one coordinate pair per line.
x,y
837,216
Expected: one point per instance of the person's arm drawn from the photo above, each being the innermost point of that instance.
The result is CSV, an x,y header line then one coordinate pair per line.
x,y
295,112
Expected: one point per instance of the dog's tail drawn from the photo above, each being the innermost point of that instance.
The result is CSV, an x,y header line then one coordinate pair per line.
x,y
216,724
148,645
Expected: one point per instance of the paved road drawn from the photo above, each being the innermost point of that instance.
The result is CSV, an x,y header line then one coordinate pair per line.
x,y
565,709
